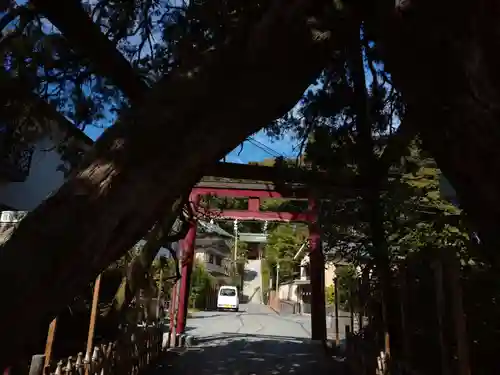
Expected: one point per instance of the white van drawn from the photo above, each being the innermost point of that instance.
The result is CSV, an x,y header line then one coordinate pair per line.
x,y
228,298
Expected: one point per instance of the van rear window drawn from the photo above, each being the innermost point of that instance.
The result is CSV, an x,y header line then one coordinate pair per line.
x,y
227,292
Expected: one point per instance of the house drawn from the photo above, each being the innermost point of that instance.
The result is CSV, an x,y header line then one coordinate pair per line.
x,y
213,248
37,165
33,167
299,290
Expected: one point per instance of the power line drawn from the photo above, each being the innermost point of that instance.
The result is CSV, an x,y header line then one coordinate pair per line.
x,y
264,147
261,148
267,147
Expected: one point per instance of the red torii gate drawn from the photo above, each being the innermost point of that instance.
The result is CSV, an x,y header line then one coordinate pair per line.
x,y
255,192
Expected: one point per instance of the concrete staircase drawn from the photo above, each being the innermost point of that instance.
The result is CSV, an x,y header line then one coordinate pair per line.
x,y
252,282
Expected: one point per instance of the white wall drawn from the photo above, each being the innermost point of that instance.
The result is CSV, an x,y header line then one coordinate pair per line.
x,y
43,179
252,281
329,271
288,292
200,256
329,274
203,255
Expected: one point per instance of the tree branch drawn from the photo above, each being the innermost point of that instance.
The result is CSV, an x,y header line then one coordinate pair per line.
x,y
74,23
396,146
186,217
14,13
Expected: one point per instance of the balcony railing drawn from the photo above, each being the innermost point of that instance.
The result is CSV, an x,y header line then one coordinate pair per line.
x,y
214,268
8,219
15,158
12,216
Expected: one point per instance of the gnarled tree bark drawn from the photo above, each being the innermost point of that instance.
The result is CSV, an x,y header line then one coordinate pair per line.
x,y
154,154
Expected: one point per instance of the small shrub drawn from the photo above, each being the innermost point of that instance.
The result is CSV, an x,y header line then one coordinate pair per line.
x,y
330,295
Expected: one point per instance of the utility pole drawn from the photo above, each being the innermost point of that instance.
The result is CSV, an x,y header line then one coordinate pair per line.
x,y
336,301
277,277
264,230
235,255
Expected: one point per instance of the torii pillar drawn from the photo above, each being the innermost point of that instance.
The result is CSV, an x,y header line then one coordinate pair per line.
x,y
187,259
317,268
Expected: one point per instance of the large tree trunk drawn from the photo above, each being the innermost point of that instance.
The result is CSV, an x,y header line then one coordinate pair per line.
x,y
443,56
153,155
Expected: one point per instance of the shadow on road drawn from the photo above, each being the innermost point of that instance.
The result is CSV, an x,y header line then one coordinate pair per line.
x,y
229,354
250,338
197,316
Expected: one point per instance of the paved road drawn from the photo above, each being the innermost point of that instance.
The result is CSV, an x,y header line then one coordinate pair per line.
x,y
253,341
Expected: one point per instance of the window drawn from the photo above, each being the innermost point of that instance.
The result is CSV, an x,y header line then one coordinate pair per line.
x,y
218,260
227,292
211,258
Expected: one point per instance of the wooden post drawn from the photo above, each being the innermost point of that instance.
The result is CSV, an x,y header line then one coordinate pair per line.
x,y
440,312
385,320
93,317
387,342
175,328
348,339
403,290
361,304
50,342
37,364
160,289
367,300
351,306
173,297
173,301
336,300
174,304
453,275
